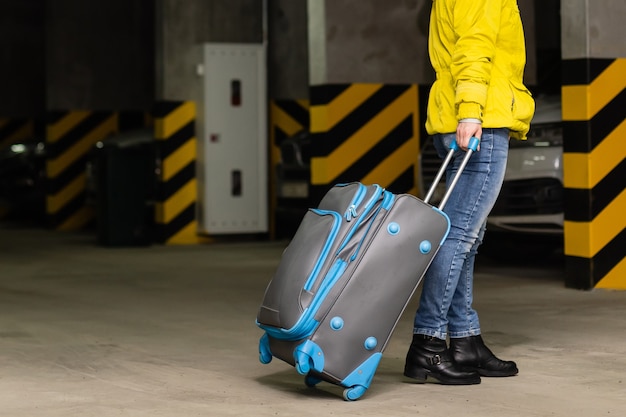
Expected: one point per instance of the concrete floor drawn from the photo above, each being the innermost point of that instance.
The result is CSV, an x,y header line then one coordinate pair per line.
x,y
169,331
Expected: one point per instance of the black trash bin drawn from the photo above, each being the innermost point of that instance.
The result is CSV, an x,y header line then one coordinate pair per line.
x,y
123,184
292,184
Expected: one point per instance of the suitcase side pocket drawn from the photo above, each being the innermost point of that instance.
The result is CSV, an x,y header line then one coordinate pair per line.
x,y
285,306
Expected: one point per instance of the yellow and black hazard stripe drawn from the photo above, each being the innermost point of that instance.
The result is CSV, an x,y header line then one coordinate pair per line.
x,y
364,132
15,130
287,117
177,188
594,170
70,136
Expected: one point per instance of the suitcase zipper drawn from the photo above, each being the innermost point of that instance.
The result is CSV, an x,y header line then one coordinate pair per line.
x,y
351,212
366,209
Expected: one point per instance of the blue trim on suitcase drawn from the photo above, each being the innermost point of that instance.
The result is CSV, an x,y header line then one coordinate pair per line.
x,y
387,202
351,212
366,209
329,241
361,378
445,235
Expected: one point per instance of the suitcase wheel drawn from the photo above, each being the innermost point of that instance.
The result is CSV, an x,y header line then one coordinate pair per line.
x,y
311,381
302,366
354,393
308,356
265,355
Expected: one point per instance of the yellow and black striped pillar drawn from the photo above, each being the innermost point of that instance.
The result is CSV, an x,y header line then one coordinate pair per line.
x,y
364,132
177,188
70,136
287,118
594,170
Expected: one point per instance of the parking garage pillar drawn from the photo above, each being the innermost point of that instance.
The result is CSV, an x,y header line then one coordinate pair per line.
x,y
594,167
366,60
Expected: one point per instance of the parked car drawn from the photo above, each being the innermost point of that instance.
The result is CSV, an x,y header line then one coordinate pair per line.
x,y
530,205
22,179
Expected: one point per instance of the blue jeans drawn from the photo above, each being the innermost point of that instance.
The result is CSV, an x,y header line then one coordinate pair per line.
x,y
445,307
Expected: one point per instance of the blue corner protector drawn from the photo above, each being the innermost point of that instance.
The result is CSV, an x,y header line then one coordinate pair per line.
x,y
265,354
370,343
336,323
425,247
447,219
307,356
393,228
361,377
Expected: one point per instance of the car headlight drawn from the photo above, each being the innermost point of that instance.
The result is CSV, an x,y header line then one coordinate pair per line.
x,y
18,148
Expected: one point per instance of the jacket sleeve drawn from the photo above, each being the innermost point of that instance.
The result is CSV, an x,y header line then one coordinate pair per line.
x,y
476,24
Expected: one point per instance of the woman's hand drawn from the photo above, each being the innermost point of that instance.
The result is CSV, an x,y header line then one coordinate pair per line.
x,y
465,131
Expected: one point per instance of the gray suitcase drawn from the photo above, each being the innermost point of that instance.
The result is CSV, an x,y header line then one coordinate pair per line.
x,y
345,279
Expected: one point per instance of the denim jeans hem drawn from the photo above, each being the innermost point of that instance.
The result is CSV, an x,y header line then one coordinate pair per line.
x,y
432,333
457,335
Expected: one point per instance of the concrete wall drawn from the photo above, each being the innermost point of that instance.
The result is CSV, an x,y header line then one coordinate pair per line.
x,y
380,41
288,51
184,25
22,68
593,29
99,54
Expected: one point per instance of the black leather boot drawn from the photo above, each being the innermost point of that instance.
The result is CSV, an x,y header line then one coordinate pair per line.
x,y
429,356
472,355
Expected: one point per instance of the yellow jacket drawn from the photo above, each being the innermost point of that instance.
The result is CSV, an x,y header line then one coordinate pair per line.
x,y
478,52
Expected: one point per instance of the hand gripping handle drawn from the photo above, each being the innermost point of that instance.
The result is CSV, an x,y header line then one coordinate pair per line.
x,y
472,147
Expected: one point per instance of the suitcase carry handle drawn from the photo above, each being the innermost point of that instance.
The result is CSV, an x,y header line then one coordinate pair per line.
x,y
472,147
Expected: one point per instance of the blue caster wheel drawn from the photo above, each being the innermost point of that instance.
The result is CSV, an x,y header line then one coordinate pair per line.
x,y
303,367
311,381
265,355
308,356
354,393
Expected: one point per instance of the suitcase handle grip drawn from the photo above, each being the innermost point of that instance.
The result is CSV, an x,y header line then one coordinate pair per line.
x,y
472,147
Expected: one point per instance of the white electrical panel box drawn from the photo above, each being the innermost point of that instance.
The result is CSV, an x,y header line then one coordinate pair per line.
x,y
234,194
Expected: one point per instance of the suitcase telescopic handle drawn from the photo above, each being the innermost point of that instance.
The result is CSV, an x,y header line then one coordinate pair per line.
x,y
472,147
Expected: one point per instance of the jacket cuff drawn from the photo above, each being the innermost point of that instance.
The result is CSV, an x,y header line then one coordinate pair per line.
x,y
469,111
471,121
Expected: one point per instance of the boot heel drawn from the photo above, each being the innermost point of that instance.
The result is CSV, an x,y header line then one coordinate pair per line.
x,y
418,374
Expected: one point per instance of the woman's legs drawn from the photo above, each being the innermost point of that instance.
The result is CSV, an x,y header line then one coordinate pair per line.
x,y
447,295
445,307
